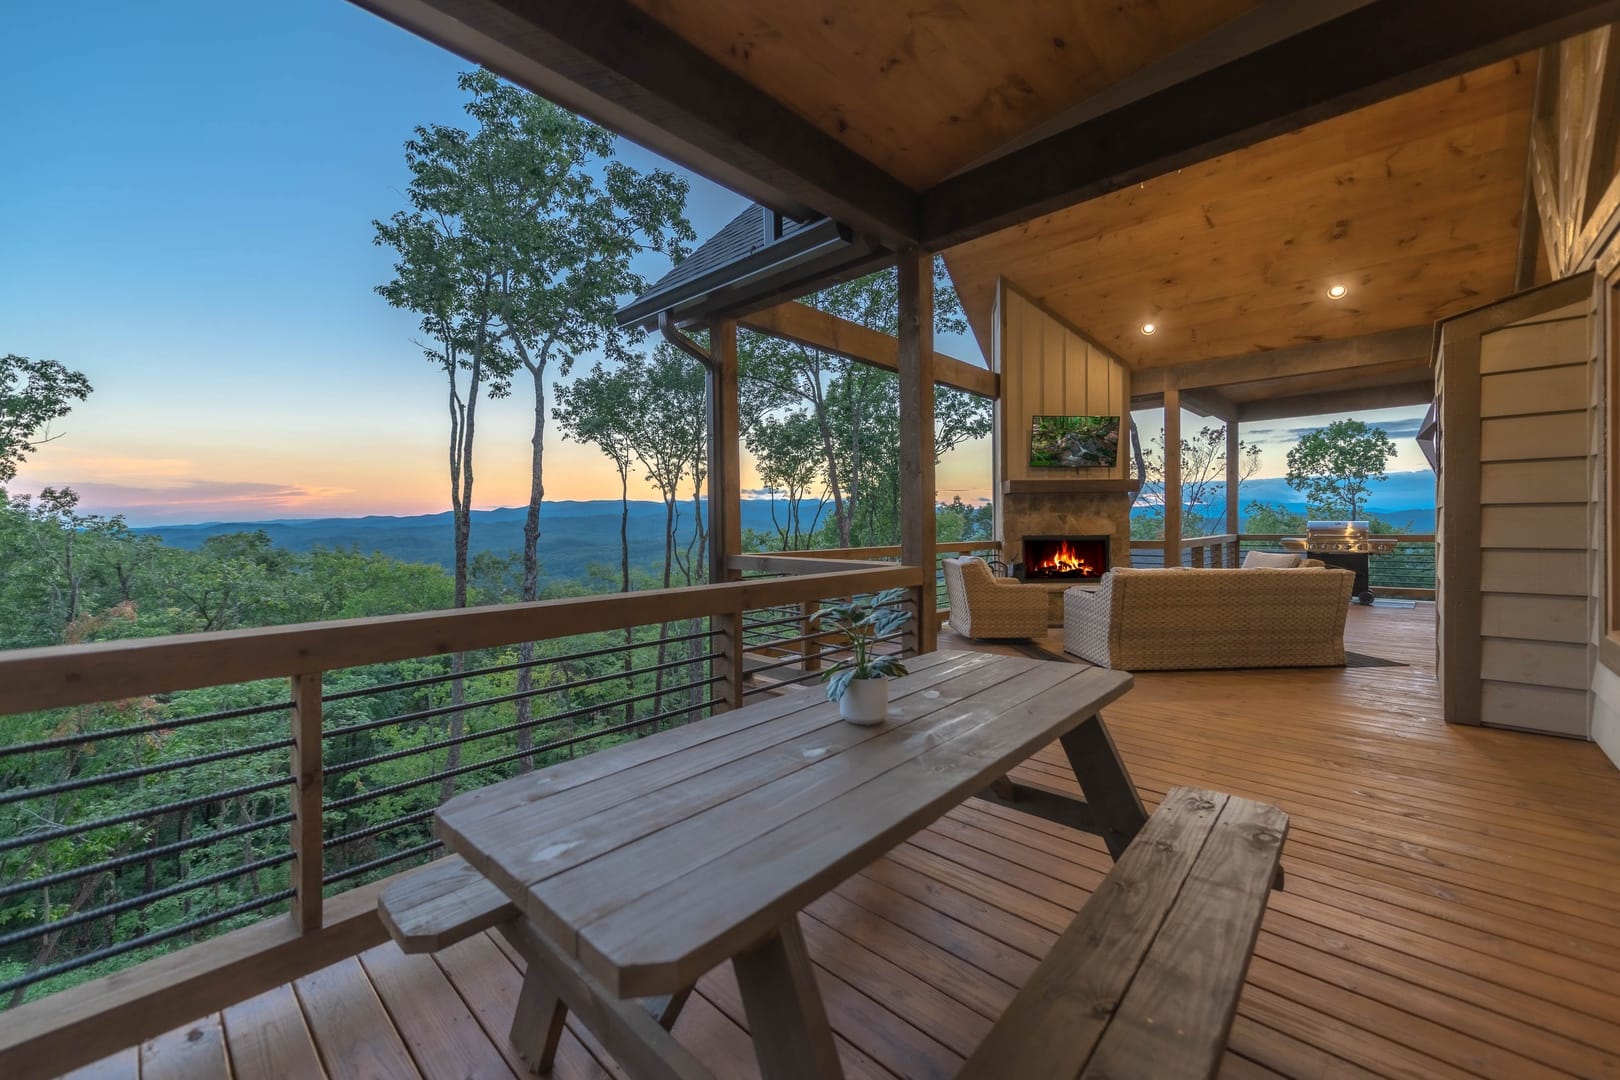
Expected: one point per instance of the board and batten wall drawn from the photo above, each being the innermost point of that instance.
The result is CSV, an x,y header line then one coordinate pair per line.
x,y
1049,368
1516,513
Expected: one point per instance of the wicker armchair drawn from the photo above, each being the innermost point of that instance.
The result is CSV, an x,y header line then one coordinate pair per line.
x,y
985,606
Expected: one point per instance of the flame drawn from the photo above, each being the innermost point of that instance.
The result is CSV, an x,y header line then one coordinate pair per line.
x,y
1064,559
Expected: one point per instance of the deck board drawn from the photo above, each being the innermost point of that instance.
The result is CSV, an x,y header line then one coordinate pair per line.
x,y
1452,904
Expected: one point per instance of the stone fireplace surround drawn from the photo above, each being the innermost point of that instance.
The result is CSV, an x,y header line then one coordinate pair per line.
x,y
1101,513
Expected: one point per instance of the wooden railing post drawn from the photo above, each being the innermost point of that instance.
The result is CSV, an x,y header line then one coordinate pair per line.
x,y
810,646
729,631
307,832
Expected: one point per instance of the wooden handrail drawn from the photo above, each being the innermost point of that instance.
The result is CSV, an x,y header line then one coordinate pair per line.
x,y
62,675
886,551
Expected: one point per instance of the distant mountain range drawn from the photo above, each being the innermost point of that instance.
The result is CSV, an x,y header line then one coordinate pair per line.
x,y
574,534
1406,498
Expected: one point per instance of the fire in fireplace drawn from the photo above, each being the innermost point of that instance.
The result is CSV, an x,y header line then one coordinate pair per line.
x,y
1065,558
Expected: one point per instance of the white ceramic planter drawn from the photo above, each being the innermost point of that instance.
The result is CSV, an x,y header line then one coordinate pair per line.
x,y
865,701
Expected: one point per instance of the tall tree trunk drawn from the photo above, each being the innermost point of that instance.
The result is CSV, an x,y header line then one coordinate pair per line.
x,y
531,561
462,428
695,645
624,585
663,628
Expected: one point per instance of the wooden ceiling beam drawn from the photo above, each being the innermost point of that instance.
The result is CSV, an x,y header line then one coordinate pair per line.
x,y
1412,344
816,329
1336,401
1376,51
612,62
1210,402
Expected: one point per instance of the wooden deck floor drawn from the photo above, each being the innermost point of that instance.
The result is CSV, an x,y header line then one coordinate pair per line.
x,y
1452,909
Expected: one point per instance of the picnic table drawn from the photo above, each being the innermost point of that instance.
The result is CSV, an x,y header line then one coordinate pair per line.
x,y
635,870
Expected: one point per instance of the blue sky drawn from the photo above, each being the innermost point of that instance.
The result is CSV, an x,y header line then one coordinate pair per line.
x,y
187,212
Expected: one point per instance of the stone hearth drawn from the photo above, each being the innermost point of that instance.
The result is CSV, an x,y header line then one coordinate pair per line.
x,y
1103,513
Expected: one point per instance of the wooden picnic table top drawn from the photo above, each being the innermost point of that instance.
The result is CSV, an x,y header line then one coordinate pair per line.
x,y
655,860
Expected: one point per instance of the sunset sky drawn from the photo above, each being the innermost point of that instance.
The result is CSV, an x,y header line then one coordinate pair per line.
x,y
188,207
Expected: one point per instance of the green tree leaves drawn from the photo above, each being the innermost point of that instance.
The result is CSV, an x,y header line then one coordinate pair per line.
x,y
32,394
1336,466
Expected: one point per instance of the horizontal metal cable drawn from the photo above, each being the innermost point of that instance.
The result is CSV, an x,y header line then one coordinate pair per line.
x,y
80,783
377,864
500,699
112,951
516,665
760,624
505,729
118,907
373,830
25,839
755,669
162,851
558,744
61,741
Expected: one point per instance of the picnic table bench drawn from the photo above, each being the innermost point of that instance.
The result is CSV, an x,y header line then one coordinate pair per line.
x,y
629,874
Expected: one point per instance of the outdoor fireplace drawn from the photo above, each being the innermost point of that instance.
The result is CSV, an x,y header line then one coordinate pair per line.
x,y
1064,558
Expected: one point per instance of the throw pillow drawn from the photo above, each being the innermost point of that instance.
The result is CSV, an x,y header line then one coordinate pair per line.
x,y
1279,560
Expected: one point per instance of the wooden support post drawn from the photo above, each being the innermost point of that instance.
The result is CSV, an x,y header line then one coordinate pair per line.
x,y
725,501
307,832
1172,476
725,468
918,540
1234,469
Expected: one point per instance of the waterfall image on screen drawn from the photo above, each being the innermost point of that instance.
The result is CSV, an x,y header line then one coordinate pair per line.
x,y
1074,442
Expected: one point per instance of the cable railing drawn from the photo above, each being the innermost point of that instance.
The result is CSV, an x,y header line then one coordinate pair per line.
x,y
179,788
1407,572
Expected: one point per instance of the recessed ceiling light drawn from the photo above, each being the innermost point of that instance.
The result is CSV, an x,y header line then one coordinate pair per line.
x,y
1336,292
1149,328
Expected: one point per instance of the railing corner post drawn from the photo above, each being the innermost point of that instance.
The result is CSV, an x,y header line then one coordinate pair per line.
x,y
307,784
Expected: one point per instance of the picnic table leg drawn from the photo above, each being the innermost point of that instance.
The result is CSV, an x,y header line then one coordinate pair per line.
x,y
786,1017
537,1026
1117,811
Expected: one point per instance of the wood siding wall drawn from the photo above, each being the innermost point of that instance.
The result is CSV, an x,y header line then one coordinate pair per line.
x,y
1050,369
1515,511
1535,523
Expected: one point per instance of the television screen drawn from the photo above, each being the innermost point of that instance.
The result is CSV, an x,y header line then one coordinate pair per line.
x,y
1074,442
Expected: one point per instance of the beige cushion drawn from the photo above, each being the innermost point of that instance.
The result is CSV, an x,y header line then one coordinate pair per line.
x,y
1277,560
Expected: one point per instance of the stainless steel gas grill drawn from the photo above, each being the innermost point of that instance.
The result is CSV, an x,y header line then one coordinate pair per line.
x,y
1346,544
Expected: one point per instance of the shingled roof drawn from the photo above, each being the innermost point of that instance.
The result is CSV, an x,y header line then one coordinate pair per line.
x,y
757,254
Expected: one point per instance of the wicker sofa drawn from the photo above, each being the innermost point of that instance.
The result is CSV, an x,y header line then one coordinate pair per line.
x,y
985,606
1147,620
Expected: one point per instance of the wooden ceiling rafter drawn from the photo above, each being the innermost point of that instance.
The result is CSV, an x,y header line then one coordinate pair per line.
x,y
816,329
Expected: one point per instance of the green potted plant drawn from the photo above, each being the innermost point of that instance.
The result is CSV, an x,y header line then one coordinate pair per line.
x,y
860,683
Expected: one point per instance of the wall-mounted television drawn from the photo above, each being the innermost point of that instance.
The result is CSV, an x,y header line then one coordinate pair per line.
x,y
1074,442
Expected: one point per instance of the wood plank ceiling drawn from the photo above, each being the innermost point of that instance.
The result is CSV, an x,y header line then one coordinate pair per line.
x,y
922,90
1413,204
